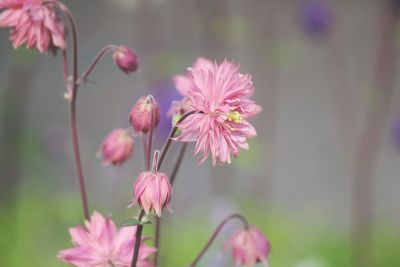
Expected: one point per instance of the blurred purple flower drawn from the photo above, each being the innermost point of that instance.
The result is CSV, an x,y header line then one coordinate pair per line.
x,y
316,18
396,131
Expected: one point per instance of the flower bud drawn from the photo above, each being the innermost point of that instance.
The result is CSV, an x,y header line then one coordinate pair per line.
x,y
117,147
141,114
152,191
249,247
126,59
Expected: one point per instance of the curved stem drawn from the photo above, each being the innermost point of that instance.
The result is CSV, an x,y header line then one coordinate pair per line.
x,y
215,234
171,136
96,60
72,106
178,163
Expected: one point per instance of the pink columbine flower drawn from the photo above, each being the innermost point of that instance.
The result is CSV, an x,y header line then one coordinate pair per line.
x,y
185,86
101,244
126,59
249,246
152,191
141,114
33,23
117,147
221,96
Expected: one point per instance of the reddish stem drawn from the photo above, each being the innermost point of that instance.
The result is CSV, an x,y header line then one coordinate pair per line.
x,y
96,60
72,107
215,234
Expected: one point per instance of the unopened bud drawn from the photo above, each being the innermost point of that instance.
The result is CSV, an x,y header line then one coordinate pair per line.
x,y
126,59
141,115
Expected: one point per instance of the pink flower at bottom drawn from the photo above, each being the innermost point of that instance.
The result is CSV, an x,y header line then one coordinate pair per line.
x,y
249,246
101,244
32,23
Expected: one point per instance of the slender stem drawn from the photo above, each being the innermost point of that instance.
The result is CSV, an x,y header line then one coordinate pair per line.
x,y
96,60
172,179
171,136
150,140
144,150
138,240
72,106
65,66
215,234
178,163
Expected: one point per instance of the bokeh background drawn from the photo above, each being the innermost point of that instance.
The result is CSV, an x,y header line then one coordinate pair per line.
x,y
321,180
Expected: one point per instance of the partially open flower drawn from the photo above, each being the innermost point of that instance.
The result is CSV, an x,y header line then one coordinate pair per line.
x,y
141,114
101,244
33,23
117,147
152,191
126,59
249,247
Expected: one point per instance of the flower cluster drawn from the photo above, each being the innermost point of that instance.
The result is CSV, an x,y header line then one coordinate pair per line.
x,y
214,111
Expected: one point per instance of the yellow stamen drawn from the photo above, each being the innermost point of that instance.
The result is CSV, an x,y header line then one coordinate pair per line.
x,y
235,117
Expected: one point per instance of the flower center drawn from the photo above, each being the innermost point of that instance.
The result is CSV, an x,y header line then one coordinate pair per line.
x,y
235,117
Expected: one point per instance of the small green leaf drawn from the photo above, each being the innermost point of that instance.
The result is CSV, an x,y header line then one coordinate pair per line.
x,y
133,221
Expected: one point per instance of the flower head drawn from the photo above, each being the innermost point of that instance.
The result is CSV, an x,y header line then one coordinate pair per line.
x,y
126,59
117,147
33,23
101,244
221,96
152,191
249,246
141,114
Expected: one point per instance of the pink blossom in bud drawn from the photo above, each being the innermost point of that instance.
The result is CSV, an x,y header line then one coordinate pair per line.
x,y
33,23
221,96
141,114
152,191
101,244
126,59
117,147
249,247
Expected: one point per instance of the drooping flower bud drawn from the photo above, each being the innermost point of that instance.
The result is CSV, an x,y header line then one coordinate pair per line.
x,y
126,59
142,112
249,247
117,147
152,191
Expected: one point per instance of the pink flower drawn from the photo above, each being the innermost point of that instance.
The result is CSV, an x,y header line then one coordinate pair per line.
x,y
117,147
100,244
184,85
126,59
32,23
152,191
141,114
249,246
221,96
